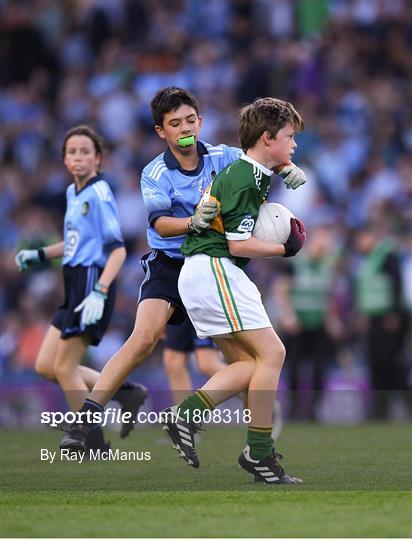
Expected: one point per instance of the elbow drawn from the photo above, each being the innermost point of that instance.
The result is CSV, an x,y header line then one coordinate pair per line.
x,y
158,227
124,254
121,254
235,248
161,232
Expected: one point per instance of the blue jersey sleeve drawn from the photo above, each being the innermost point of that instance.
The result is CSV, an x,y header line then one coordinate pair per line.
x,y
110,230
156,198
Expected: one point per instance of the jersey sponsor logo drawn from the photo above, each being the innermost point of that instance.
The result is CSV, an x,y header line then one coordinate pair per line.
x,y
150,194
247,224
85,208
72,240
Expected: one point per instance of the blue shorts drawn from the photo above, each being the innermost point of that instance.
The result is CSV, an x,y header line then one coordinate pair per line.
x,y
78,283
183,338
160,281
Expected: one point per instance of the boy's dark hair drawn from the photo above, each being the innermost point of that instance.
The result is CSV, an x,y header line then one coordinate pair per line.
x,y
266,114
168,99
87,132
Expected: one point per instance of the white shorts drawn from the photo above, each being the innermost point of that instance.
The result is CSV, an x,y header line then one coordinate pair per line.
x,y
219,297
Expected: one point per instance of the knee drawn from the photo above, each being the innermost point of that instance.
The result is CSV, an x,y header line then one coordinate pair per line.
x,y
203,365
62,369
174,363
139,346
45,369
209,364
278,355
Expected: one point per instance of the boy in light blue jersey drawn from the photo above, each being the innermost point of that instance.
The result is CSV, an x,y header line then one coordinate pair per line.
x,y
169,190
172,185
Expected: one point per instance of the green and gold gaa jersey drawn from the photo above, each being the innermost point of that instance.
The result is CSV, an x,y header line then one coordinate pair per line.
x,y
239,191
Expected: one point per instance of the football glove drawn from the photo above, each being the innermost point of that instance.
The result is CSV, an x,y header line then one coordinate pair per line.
x,y
296,238
293,177
28,257
204,214
92,308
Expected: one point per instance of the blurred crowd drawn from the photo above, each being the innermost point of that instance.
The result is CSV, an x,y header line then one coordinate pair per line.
x,y
345,65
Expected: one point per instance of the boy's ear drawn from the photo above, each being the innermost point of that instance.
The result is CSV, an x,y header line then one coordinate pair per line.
x,y
266,138
160,131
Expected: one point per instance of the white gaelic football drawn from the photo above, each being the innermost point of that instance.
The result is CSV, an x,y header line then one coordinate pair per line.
x,y
273,223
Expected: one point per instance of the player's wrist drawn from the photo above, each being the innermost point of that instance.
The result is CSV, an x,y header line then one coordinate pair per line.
x,y
190,225
103,290
41,253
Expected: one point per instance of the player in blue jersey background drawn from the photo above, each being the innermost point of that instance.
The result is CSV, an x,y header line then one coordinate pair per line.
x,y
93,253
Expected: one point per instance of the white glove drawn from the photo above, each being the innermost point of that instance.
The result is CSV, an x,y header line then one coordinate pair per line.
x,y
92,306
204,214
26,258
293,177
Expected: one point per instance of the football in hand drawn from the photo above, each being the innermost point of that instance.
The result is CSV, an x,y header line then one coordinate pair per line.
x,y
273,223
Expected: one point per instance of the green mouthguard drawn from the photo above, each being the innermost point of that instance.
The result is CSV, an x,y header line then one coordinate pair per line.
x,y
186,141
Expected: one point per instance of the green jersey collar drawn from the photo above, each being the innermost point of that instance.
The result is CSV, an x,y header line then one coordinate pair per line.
x,y
262,168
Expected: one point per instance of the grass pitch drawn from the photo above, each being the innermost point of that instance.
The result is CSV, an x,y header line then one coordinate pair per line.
x,y
357,484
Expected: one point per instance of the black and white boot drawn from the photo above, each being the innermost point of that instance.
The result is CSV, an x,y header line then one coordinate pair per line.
x,y
182,434
266,470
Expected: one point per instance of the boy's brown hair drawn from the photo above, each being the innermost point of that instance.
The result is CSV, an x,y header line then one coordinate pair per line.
x,y
266,114
171,98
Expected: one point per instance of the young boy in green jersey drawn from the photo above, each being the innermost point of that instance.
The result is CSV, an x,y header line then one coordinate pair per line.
x,y
223,302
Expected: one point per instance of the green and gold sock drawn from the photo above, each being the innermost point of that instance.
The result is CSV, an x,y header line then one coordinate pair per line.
x,y
198,402
260,441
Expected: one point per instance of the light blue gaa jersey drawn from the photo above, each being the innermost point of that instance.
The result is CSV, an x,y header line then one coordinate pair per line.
x,y
91,224
168,190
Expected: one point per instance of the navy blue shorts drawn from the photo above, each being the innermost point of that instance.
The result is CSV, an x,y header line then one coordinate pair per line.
x,y
183,338
160,281
78,283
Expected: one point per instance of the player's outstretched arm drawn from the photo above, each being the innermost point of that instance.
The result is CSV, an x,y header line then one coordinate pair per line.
x,y
27,258
200,221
